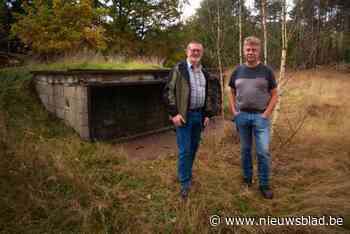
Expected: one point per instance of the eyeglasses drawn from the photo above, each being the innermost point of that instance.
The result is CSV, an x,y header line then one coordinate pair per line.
x,y
195,50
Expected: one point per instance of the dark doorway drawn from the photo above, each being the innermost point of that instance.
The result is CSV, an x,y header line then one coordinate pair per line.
x,y
128,110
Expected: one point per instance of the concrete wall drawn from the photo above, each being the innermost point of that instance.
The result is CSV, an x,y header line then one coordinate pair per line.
x,y
66,100
105,104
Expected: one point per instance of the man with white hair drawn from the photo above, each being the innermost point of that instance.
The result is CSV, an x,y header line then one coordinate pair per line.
x,y
186,96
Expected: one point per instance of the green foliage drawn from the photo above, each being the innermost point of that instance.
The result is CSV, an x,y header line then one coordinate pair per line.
x,y
8,8
204,24
65,26
313,28
347,55
126,27
2,14
318,28
175,57
148,28
143,27
3,31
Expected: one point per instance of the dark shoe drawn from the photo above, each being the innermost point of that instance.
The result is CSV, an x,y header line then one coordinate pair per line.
x,y
266,192
184,193
248,182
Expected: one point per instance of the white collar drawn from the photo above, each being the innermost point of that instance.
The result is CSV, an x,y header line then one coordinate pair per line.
x,y
190,66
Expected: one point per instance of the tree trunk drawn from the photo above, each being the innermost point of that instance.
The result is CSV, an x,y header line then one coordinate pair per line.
x,y
241,2
282,66
263,20
218,53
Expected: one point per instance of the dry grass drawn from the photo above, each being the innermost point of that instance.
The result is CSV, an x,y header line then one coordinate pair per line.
x,y
92,60
52,182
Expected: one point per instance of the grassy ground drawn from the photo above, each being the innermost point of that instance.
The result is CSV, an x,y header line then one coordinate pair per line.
x,y
52,182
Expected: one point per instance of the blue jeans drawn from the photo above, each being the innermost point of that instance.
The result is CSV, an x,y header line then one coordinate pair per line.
x,y
251,125
188,137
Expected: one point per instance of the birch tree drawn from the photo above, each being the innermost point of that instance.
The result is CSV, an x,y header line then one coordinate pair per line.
x,y
218,53
241,2
283,63
263,20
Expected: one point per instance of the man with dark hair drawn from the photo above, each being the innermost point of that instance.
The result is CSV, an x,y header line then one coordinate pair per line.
x,y
186,96
254,96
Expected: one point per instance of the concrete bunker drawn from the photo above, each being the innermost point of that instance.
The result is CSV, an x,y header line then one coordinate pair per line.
x,y
109,104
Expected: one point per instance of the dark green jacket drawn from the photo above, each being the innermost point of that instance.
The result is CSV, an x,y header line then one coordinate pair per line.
x,y
177,91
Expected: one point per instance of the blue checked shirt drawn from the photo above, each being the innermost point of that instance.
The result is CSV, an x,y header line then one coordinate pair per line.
x,y
197,82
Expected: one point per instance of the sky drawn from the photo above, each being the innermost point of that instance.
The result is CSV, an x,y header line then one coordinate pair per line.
x,y
190,8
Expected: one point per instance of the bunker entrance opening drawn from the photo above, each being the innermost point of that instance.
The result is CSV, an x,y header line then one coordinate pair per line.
x,y
127,110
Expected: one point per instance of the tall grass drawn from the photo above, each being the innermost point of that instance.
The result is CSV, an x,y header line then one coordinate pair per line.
x,y
52,182
91,60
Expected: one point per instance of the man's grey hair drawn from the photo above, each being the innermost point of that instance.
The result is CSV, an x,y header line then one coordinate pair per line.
x,y
252,40
194,42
